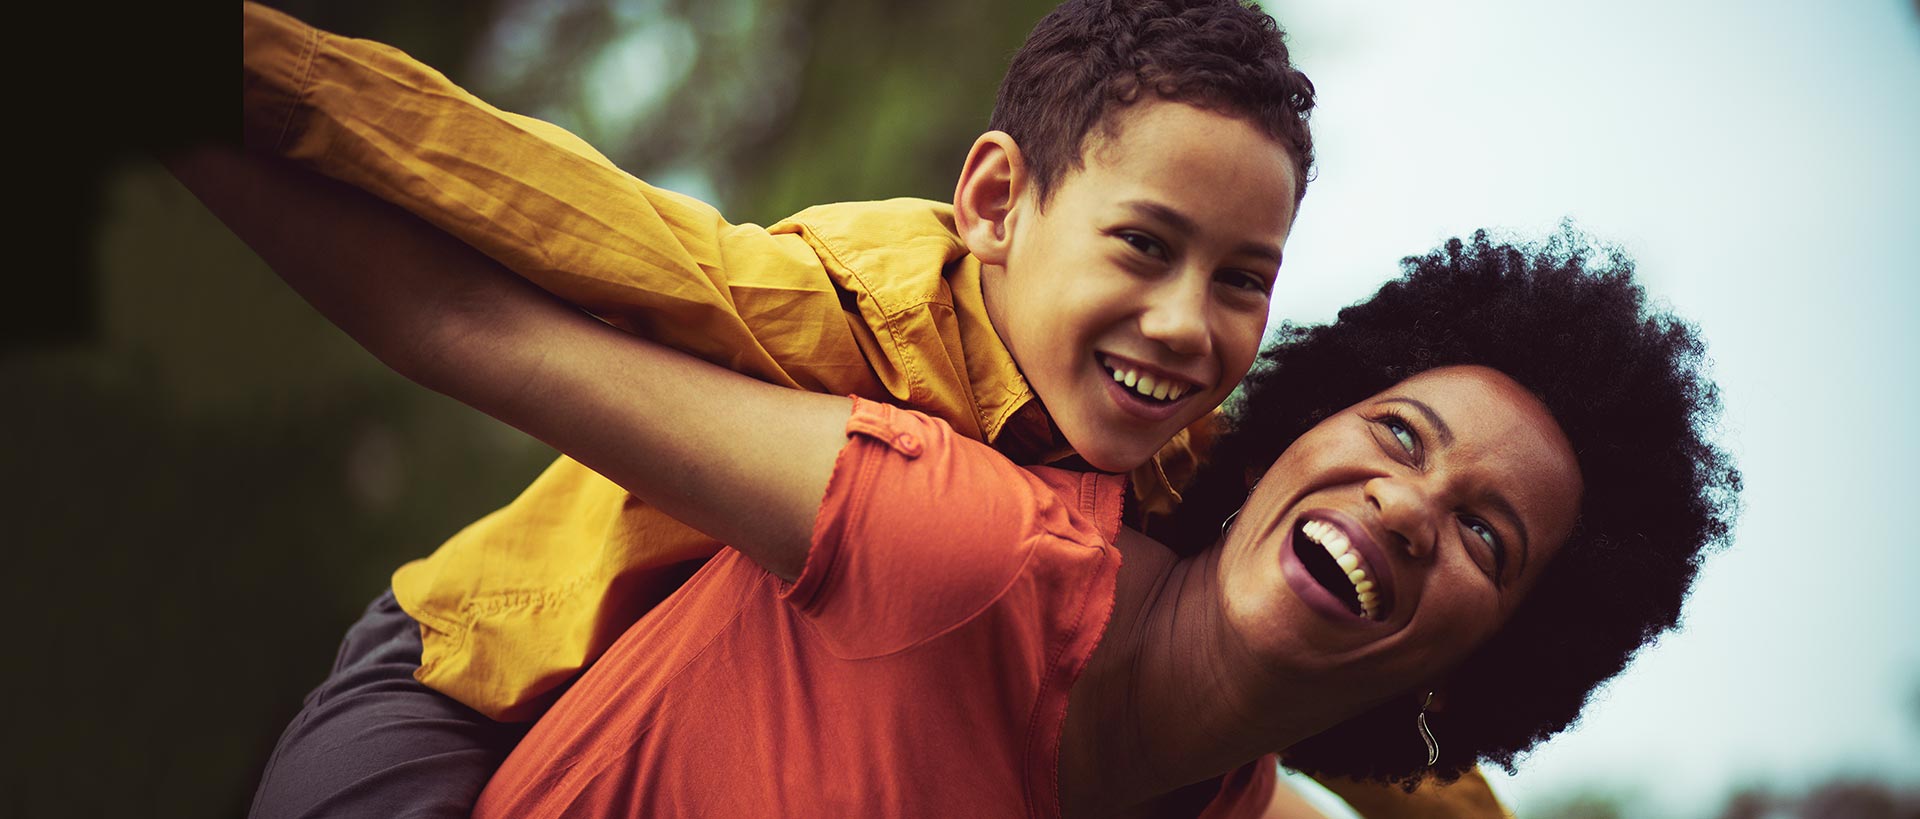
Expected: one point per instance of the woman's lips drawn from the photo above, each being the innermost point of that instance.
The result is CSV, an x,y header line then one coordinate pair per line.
x,y
1333,564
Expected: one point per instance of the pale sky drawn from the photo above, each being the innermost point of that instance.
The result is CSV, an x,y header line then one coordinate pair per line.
x,y
1761,161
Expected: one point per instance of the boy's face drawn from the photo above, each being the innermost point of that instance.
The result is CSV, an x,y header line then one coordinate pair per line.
x,y
1135,302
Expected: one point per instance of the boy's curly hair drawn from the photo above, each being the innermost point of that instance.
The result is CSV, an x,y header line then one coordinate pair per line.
x,y
1626,385
1090,58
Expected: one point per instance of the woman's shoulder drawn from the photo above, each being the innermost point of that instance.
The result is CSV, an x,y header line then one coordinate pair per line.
x,y
1095,500
922,530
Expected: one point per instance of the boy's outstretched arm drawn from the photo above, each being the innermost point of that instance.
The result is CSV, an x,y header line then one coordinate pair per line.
x,y
873,299
548,206
697,441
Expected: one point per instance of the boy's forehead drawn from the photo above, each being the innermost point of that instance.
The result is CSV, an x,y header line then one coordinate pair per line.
x,y
1160,127
1196,165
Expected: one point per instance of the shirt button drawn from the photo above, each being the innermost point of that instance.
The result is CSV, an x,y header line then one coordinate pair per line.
x,y
906,443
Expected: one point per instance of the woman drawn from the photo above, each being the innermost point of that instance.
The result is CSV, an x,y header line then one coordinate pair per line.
x,y
1051,663
1486,514
1624,382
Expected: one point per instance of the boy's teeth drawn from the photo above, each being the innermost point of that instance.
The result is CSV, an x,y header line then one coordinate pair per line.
x,y
1330,537
1147,385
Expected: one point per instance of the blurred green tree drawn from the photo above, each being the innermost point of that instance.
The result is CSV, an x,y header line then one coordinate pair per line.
x,y
206,482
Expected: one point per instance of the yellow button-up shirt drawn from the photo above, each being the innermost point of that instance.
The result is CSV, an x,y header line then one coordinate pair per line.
x,y
875,299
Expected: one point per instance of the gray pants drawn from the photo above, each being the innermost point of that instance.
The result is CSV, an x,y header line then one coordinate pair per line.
x,y
373,741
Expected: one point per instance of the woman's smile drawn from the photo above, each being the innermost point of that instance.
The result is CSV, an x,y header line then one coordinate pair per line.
x,y
1389,524
1336,566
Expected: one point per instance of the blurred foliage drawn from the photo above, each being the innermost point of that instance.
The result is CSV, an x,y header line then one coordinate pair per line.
x,y
1836,799
776,104
1841,798
199,500
205,482
1587,806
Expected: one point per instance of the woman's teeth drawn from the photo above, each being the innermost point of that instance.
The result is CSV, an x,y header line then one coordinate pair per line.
x,y
1147,385
1341,550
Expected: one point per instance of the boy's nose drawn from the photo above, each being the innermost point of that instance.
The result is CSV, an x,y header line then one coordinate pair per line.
x,y
1176,316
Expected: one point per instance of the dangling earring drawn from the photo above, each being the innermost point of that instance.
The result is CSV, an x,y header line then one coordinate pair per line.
x,y
1426,733
1228,523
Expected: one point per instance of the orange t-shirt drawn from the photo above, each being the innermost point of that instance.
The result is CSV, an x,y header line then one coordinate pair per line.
x,y
918,666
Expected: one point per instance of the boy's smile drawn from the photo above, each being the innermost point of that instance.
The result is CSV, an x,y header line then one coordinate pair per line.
x,y
1145,390
1134,301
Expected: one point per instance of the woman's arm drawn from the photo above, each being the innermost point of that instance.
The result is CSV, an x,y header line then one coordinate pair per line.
x,y
738,459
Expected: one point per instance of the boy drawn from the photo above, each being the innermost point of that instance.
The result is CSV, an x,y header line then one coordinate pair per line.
x,y
902,299
1121,225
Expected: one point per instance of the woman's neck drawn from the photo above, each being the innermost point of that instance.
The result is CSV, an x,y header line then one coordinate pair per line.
x,y
1171,697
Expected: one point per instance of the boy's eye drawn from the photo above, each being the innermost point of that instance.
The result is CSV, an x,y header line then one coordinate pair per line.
x,y
1242,280
1145,244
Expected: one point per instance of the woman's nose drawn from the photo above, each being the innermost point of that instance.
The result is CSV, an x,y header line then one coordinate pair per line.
x,y
1406,512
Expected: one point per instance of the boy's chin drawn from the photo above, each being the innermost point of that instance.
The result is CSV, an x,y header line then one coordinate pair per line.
x,y
1116,456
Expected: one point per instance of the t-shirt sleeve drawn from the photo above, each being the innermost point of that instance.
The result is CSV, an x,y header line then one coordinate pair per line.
x,y
921,529
545,204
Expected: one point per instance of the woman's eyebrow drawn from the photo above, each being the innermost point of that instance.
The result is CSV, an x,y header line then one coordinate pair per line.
x,y
1433,418
1498,501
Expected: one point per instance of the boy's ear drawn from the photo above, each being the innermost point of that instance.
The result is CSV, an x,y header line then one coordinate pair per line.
x,y
984,199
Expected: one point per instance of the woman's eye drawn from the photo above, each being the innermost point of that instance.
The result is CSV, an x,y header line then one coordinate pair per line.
x,y
1484,531
1401,433
1492,539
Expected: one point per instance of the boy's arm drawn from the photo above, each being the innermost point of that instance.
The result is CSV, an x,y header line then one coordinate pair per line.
x,y
697,441
790,304
546,205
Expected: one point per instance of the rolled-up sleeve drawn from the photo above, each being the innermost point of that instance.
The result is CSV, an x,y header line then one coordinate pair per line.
x,y
545,204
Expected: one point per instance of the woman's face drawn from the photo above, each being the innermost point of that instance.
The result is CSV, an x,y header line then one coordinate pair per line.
x,y
1392,539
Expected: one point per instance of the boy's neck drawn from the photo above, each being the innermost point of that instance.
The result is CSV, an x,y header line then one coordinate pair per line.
x,y
1170,698
1030,438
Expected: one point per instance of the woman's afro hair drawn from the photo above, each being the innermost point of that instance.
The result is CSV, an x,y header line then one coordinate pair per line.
x,y
1626,385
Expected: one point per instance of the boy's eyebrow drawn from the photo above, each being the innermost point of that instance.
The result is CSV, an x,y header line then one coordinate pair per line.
x,y
1185,224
